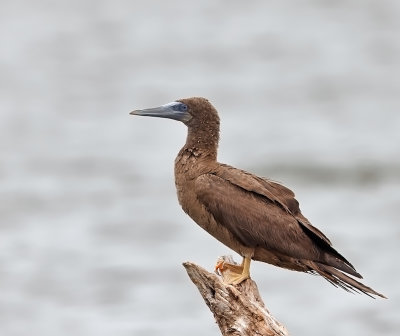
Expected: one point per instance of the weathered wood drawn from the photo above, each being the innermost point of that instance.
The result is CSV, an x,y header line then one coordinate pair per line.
x,y
238,310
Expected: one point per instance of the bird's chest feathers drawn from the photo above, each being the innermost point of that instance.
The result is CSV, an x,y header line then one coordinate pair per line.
x,y
187,170
191,163
189,166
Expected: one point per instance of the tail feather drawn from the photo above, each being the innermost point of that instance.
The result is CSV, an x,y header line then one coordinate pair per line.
x,y
341,264
339,279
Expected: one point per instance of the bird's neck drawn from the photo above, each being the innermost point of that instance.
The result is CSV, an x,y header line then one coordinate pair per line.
x,y
202,142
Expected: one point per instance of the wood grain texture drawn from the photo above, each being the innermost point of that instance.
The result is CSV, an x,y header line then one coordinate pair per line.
x,y
238,310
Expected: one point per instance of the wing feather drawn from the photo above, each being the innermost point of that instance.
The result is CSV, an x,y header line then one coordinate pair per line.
x,y
256,221
274,191
263,213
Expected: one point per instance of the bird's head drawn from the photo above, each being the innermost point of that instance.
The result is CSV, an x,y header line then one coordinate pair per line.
x,y
191,111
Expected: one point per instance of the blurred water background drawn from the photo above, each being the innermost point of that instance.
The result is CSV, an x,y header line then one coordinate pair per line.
x,y
91,234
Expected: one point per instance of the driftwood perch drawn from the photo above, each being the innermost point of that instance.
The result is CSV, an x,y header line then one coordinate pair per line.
x,y
238,310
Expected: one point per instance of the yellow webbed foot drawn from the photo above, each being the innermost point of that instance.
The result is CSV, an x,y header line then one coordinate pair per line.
x,y
233,274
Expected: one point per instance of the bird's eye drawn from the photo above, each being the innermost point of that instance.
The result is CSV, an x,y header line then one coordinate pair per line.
x,y
183,107
178,106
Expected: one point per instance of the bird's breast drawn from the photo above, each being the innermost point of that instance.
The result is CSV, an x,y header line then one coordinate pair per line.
x,y
185,178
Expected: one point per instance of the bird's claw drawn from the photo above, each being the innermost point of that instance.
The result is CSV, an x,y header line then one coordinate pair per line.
x,y
232,273
219,267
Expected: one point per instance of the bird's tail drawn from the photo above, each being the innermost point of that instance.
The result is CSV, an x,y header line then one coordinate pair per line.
x,y
339,279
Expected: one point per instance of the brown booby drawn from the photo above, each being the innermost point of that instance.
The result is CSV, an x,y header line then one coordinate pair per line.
x,y
258,218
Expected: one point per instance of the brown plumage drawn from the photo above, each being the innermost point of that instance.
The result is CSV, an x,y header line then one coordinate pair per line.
x,y
256,217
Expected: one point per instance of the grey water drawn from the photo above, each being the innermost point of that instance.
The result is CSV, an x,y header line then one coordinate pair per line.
x,y
91,235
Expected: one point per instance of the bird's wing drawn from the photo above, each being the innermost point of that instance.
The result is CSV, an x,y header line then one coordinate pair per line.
x,y
254,216
276,192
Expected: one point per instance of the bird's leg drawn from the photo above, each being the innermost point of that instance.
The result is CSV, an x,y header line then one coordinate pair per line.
x,y
236,273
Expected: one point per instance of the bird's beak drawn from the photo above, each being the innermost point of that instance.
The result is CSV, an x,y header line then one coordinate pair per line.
x,y
172,110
